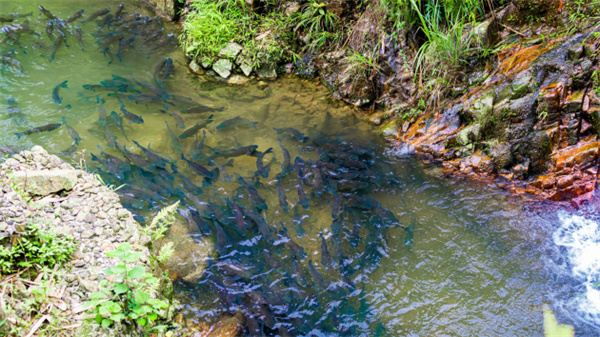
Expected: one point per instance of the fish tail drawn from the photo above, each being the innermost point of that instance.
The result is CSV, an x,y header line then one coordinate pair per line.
x,y
19,134
174,168
229,163
64,84
254,125
220,109
64,119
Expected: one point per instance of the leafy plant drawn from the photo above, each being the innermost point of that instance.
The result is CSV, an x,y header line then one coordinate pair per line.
x,y
36,248
360,66
130,297
315,18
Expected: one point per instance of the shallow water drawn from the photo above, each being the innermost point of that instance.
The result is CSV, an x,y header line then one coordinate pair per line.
x,y
457,258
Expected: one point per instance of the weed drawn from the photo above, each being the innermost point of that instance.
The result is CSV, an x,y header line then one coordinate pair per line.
x,y
315,18
359,66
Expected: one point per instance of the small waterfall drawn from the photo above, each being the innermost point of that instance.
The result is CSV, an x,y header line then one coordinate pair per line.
x,y
580,237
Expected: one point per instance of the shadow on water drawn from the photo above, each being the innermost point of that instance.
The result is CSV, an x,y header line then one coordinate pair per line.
x,y
318,228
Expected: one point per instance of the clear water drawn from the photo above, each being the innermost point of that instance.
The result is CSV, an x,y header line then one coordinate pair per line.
x,y
479,262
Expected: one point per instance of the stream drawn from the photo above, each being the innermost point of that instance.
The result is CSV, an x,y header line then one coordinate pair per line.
x,y
319,228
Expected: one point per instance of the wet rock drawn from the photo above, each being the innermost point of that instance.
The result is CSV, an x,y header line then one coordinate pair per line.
x,y
267,72
485,34
246,68
229,326
390,129
223,67
469,134
195,68
44,182
238,80
501,156
230,51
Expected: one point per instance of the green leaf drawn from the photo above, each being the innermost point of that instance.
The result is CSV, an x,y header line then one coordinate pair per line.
x,y
117,317
106,323
137,272
152,317
109,271
98,318
120,288
142,297
142,321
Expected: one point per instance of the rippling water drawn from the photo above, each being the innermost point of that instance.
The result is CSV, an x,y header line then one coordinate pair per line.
x,y
451,257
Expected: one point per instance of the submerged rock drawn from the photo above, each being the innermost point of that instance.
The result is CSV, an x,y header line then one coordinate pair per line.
x,y
44,182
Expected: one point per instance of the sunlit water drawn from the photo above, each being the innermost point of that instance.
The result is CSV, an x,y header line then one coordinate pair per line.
x,y
457,259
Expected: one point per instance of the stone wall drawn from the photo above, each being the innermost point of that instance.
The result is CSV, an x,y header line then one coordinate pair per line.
x,y
166,8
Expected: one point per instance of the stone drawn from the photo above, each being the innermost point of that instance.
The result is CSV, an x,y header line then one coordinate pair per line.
x,y
195,68
44,182
167,8
230,51
3,226
228,326
88,285
238,80
223,67
390,129
267,72
246,68
501,156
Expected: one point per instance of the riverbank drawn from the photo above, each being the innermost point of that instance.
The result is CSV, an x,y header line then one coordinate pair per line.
x,y
38,189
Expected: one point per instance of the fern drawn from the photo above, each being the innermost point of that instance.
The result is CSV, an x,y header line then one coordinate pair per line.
x,y
158,226
165,252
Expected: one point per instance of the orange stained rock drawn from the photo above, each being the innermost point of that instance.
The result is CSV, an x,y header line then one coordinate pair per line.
x,y
576,154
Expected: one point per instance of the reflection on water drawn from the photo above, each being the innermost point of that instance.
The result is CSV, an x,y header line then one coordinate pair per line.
x,y
319,230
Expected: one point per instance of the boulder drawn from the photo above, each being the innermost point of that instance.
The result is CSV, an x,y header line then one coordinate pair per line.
x,y
44,182
230,326
238,80
230,51
223,67
267,72
195,68
246,68
167,8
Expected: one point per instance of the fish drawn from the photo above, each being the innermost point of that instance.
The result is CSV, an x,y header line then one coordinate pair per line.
x,y
299,136
356,201
187,183
112,37
57,44
14,112
199,169
271,261
263,228
222,171
236,122
13,62
72,132
57,99
68,152
50,30
198,147
107,52
345,185
169,39
260,167
318,187
221,238
116,118
255,198
116,161
13,16
162,70
152,157
96,14
75,16
336,206
355,234
325,256
136,160
133,118
201,224
286,166
110,138
410,230
44,128
235,270
336,155
175,144
298,220
79,35
178,120
123,46
354,164
200,108
296,273
194,129
295,248
319,282
239,217
283,203
119,10
47,13
303,200
111,169
244,150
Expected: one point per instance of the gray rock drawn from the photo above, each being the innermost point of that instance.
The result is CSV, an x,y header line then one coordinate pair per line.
x,y
223,67
246,68
238,80
267,71
230,51
44,182
88,285
195,68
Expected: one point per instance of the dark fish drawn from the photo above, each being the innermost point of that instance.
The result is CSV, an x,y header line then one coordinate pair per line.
x,y
260,167
221,238
79,35
286,165
198,147
175,144
119,10
57,99
162,70
299,168
108,167
319,282
295,248
354,164
325,256
113,37
75,16
116,161
255,198
296,273
152,157
187,183
133,118
409,238
295,133
336,155
47,13
303,200
12,17
201,224
176,116
318,187
169,39
72,132
282,198
298,220
222,171
194,129
110,138
97,14
50,29
263,228
336,206
239,217
199,169
132,202
68,152
57,44
123,46
351,185
236,122
116,118
136,160
355,234
356,201
200,108
271,261
14,112
108,52
44,128
235,270
244,150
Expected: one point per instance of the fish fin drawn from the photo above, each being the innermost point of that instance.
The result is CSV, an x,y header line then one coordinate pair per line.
x,y
19,134
254,124
64,119
229,163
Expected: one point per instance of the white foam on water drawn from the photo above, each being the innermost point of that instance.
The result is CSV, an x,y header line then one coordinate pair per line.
x,y
581,238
